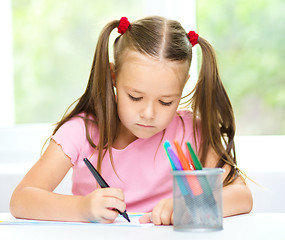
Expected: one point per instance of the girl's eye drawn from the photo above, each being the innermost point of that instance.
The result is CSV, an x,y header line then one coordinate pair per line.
x,y
165,103
135,98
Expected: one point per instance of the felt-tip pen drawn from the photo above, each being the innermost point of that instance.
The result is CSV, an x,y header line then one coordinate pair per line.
x,y
102,183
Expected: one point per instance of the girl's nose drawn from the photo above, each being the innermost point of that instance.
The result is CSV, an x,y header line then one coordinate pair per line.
x,y
148,111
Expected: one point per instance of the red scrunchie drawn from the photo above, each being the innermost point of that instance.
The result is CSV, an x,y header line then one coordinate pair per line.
x,y
123,25
193,37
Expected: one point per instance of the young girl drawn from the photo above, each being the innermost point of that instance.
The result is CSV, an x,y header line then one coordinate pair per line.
x,y
128,110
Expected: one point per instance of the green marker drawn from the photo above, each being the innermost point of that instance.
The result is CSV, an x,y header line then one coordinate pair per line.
x,y
198,166
196,161
203,179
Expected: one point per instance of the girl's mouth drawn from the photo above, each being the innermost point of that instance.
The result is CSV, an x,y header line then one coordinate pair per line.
x,y
145,126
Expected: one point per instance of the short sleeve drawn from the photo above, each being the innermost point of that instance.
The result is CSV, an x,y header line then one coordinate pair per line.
x,y
71,136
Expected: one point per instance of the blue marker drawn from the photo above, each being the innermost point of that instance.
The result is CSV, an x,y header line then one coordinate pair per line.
x,y
167,145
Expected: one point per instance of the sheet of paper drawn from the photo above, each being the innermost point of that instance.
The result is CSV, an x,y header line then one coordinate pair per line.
x,y
120,222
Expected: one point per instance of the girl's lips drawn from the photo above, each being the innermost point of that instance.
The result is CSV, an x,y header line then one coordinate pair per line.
x,y
145,126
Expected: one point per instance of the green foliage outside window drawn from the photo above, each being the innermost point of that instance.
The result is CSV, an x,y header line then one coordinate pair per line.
x,y
54,43
249,40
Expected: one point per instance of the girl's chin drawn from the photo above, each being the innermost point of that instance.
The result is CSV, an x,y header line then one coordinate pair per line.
x,y
145,134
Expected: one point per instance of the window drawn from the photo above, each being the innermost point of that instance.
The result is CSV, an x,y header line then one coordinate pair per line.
x,y
249,40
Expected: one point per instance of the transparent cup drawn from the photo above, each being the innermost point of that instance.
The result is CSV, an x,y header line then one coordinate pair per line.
x,y
197,200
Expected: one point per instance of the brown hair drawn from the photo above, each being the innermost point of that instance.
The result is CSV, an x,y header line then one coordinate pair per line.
x,y
164,39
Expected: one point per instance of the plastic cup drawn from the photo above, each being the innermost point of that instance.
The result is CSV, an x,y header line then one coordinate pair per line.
x,y
196,210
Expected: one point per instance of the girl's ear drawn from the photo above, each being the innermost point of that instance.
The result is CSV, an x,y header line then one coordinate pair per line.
x,y
113,75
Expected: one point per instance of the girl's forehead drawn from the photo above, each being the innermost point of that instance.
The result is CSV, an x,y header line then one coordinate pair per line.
x,y
143,71
134,60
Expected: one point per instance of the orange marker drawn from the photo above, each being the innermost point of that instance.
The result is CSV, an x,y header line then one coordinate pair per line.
x,y
192,180
184,162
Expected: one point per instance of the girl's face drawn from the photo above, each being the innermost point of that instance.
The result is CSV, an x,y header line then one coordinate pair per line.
x,y
148,94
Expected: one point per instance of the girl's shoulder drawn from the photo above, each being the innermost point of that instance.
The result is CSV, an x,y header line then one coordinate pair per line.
x,y
71,136
185,114
182,125
77,125
80,120
75,128
184,117
188,116
180,119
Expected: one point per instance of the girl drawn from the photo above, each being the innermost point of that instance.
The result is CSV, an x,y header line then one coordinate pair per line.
x,y
128,109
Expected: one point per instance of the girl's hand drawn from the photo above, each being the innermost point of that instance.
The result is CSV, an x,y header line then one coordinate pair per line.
x,y
101,205
162,213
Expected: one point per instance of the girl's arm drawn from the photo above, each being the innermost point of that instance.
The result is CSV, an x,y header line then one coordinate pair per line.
x,y
34,197
237,199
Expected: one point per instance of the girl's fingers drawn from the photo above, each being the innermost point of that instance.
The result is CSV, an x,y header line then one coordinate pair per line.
x,y
114,203
156,213
109,216
165,217
145,218
162,213
102,204
112,198
113,192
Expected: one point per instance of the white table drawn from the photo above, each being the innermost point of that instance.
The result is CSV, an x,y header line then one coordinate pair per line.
x,y
250,226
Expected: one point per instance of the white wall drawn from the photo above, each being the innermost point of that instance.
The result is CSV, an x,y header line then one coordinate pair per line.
x,y
262,158
20,148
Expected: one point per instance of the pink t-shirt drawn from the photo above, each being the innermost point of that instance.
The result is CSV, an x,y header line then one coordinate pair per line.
x,y
143,167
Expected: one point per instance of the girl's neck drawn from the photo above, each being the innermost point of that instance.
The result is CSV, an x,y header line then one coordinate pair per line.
x,y
125,137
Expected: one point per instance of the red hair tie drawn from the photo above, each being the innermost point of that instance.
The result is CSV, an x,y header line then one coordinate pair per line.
x,y
123,25
193,37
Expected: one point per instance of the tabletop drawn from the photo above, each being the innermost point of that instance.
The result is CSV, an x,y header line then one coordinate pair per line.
x,y
247,226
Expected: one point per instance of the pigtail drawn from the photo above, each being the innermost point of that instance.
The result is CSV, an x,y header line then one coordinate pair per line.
x,y
211,103
103,95
98,101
